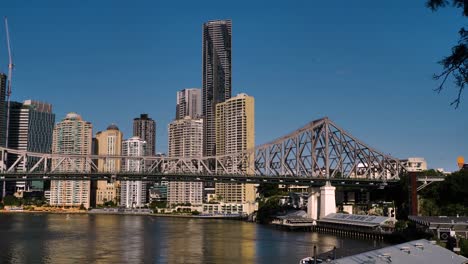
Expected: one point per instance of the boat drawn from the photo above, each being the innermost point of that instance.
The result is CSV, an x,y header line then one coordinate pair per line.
x,y
310,260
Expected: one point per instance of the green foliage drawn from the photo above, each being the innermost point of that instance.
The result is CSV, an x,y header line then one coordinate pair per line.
x,y
268,190
110,204
401,225
463,243
429,207
455,65
11,200
195,212
268,208
157,204
398,193
82,207
449,197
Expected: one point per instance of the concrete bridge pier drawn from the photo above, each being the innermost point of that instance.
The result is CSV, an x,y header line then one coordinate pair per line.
x,y
313,208
321,201
327,200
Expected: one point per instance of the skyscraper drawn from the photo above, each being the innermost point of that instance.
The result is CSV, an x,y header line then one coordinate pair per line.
x,y
108,143
3,81
189,103
31,128
72,135
216,76
185,140
133,193
235,133
145,128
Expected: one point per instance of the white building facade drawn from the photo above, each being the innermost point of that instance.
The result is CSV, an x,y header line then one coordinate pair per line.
x,y
415,164
133,193
72,135
185,140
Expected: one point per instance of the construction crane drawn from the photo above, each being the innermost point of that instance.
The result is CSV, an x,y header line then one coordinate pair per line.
x,y
8,95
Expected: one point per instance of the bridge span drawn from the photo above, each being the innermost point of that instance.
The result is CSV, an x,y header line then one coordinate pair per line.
x,y
319,152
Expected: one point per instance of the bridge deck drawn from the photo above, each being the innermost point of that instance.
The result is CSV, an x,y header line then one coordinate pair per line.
x,y
286,180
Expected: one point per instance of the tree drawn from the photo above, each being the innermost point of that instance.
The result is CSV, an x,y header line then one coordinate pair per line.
x,y
268,189
82,207
456,64
11,201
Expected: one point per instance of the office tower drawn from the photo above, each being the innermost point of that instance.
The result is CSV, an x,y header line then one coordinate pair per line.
x,y
3,106
145,128
216,76
31,128
235,133
189,103
133,193
108,143
185,140
72,135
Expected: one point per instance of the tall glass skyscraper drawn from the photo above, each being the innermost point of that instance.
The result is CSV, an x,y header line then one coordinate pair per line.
x,y
31,128
216,76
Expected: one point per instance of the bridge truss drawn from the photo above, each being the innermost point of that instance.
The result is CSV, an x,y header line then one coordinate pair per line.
x,y
320,150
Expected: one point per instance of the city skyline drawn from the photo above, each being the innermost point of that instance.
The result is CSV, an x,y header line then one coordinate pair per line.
x,y
376,123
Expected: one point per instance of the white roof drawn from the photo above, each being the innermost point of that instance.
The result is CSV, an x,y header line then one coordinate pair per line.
x,y
417,252
352,219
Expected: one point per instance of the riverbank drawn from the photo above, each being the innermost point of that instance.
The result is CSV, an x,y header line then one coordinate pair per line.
x,y
82,212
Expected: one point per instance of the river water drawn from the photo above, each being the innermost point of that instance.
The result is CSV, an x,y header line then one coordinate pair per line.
x,y
56,238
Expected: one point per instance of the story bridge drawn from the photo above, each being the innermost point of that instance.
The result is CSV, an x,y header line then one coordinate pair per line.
x,y
313,155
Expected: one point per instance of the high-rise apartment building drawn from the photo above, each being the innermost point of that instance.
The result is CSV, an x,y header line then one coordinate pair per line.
x,y
145,128
72,135
31,128
3,107
133,193
216,76
235,133
108,143
189,103
185,140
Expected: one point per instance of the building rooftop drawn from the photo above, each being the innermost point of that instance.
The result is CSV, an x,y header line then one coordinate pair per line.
x,y
417,251
112,127
73,116
351,219
438,220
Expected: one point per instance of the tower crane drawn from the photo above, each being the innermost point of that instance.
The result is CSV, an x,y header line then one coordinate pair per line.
x,y
8,95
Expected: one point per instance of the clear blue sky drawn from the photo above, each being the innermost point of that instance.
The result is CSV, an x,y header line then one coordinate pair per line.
x,y
365,64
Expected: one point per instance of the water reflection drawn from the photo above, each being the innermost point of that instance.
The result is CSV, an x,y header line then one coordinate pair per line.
x,y
32,238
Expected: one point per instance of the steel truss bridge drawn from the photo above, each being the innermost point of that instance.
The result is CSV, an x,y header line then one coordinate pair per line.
x,y
319,152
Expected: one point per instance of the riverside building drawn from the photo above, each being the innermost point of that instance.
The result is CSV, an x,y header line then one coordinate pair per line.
x,y
108,143
71,136
30,129
185,140
133,193
235,133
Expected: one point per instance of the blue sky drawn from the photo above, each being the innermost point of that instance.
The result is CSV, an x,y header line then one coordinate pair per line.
x,y
365,64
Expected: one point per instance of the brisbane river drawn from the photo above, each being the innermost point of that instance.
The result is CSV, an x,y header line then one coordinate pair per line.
x,y
56,238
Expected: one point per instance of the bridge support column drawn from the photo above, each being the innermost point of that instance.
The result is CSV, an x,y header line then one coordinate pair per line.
x,y
327,200
313,204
